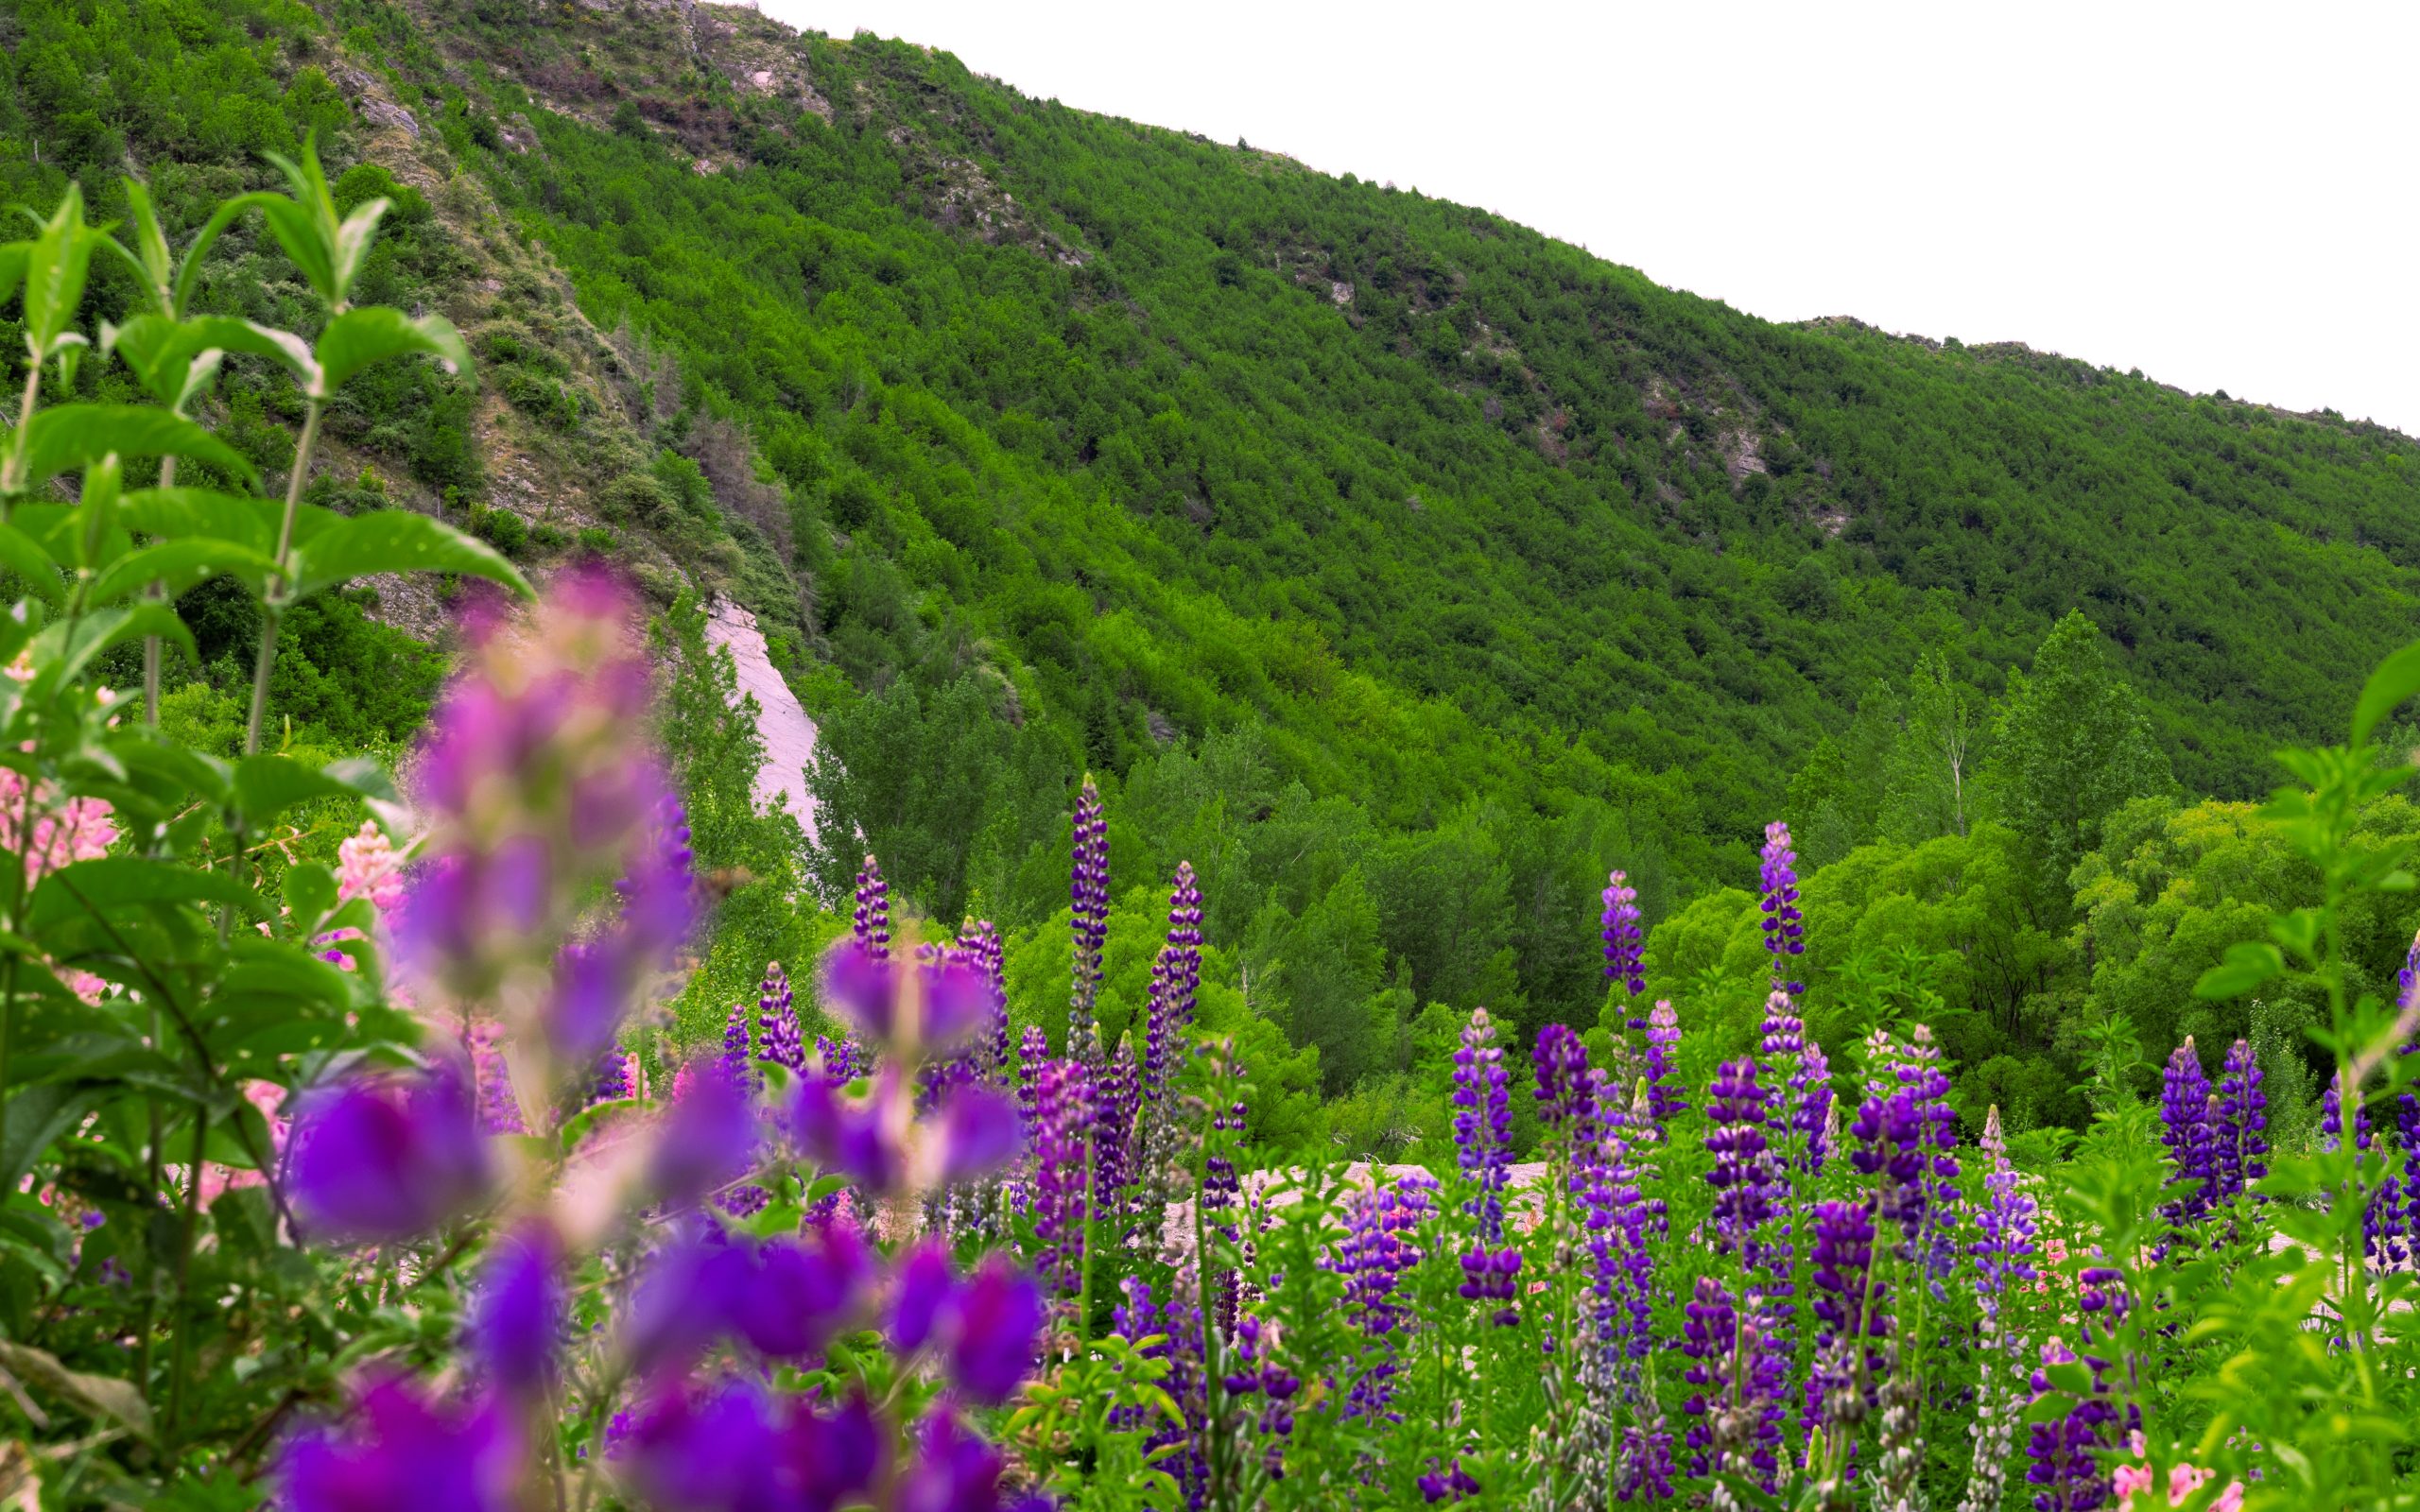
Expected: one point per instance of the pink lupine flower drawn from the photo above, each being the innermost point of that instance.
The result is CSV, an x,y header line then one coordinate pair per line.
x,y
368,867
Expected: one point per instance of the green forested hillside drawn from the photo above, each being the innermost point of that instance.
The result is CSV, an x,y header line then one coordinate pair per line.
x,y
1402,568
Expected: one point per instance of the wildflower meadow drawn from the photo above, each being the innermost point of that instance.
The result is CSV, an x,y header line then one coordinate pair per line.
x,y
351,1161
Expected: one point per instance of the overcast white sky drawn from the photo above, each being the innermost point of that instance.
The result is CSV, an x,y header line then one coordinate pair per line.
x,y
2221,195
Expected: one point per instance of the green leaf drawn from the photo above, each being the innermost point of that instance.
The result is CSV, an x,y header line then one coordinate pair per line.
x,y
97,510
23,554
357,339
2248,964
179,565
224,216
103,1396
12,268
396,540
2396,678
64,650
56,265
268,785
68,436
163,353
577,1126
172,513
298,231
32,1118
112,884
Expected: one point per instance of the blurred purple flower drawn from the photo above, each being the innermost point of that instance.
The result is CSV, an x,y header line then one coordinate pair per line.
x,y
703,1142
952,1470
979,1131
922,1282
798,1291
991,1325
402,1451
848,1136
385,1159
518,1313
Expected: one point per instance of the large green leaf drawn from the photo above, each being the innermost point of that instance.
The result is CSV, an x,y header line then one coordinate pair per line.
x,y
23,554
161,353
12,268
2396,678
268,785
171,513
68,438
56,265
111,884
396,540
34,1116
67,646
357,339
179,564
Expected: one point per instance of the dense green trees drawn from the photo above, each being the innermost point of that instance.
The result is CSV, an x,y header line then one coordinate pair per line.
x,y
1401,569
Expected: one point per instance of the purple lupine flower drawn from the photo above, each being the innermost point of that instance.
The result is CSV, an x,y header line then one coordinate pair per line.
x,y
1377,1249
1778,884
1848,1304
953,1468
2185,1130
1643,1471
1448,1483
705,1140
2410,974
2378,1207
1483,1121
2065,1451
1922,1074
777,1022
535,795
979,945
1175,1447
613,1081
518,1314
1737,1382
1743,1176
989,1326
870,926
400,1449
1493,1276
1566,1091
1619,1214
1664,1099
1890,1138
1812,1111
1625,945
1063,1117
843,1060
2004,1250
1176,978
1088,893
1800,1112
1033,1052
385,1159
1113,1128
1273,1382
732,1064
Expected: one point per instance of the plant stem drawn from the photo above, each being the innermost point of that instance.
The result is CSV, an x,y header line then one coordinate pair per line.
x,y
273,602
12,473
152,642
182,1354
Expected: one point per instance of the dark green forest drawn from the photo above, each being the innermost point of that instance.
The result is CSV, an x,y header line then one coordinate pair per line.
x,y
1403,569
